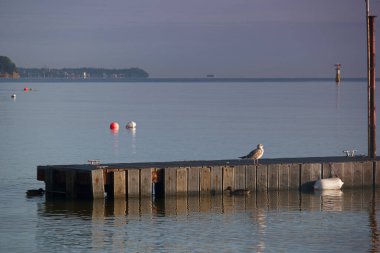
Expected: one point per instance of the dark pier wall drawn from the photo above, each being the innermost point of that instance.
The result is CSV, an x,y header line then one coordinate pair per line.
x,y
203,177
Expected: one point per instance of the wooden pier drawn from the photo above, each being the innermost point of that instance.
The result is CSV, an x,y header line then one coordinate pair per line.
x,y
131,180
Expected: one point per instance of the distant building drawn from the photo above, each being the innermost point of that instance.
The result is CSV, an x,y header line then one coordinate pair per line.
x,y
13,75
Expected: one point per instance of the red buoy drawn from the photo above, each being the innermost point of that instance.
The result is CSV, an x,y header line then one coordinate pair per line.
x,y
114,126
26,89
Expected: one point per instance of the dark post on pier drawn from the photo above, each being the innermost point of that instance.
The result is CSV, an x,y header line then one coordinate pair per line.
x,y
372,90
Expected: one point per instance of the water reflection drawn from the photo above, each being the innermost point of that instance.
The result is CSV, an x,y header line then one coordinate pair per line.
x,y
132,132
115,145
375,243
259,222
331,200
328,200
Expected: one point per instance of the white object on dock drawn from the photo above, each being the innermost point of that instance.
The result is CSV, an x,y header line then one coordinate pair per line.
x,y
131,124
94,162
350,153
328,184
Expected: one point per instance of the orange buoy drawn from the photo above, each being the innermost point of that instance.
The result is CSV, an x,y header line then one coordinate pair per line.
x,y
114,126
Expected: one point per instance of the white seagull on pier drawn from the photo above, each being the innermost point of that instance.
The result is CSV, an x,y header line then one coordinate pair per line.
x,y
255,154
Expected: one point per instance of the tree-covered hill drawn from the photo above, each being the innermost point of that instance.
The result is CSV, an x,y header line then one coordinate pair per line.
x,y
8,70
82,73
6,65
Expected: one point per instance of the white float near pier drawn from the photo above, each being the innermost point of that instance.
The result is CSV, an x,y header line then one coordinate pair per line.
x,y
328,184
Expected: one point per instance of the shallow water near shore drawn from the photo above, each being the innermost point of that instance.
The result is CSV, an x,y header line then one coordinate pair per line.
x,y
68,123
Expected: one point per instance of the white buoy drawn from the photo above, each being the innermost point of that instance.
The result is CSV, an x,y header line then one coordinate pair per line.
x,y
131,124
13,96
328,184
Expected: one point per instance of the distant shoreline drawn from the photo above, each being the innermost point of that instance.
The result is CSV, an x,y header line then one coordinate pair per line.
x,y
213,79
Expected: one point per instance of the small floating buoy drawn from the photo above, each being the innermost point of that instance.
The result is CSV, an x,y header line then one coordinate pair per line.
x,y
328,184
13,96
131,124
26,89
114,126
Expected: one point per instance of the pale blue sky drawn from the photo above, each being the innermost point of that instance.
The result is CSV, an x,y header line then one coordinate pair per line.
x,y
176,38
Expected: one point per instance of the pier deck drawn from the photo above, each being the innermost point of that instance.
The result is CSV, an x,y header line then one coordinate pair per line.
x,y
121,180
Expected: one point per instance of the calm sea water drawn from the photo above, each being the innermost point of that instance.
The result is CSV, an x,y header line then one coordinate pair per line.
x,y
66,123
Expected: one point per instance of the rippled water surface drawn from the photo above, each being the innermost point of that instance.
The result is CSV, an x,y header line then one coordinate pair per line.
x,y
65,123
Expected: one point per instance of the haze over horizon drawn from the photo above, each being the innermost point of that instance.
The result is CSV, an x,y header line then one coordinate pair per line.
x,y
174,38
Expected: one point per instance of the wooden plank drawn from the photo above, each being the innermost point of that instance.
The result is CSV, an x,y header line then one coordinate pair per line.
x,y
316,171
193,181
367,174
283,176
239,177
337,170
273,171
97,180
357,181
216,179
146,188
205,180
327,170
133,183
49,180
330,170
250,180
310,172
170,181
181,181
71,179
348,177
119,184
228,177
262,177
294,176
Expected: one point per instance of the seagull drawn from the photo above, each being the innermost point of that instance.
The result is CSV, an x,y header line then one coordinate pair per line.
x,y
255,154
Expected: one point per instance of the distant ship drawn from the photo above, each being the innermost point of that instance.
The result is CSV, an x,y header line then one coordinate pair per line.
x,y
210,76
